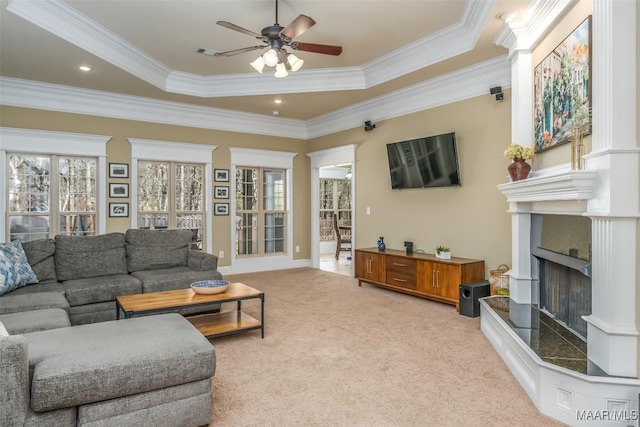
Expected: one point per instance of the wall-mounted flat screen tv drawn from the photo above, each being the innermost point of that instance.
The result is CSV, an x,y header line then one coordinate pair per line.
x,y
424,162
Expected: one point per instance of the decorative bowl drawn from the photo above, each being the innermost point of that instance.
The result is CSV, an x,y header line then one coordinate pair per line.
x,y
210,286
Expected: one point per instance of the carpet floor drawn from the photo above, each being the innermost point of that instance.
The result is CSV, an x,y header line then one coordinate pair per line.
x,y
335,354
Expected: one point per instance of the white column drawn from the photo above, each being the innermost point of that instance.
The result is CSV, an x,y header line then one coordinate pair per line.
x,y
611,327
521,96
520,275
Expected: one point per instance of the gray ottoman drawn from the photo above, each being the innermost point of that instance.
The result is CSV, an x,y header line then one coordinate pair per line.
x,y
153,370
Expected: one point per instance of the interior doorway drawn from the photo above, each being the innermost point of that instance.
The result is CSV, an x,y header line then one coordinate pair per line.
x,y
341,161
335,244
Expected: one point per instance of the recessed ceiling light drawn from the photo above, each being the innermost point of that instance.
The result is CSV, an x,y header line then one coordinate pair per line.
x,y
277,101
85,68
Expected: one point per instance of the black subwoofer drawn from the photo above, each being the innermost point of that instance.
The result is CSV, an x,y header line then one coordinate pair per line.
x,y
469,295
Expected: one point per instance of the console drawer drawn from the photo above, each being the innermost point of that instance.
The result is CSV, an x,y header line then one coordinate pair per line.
x,y
401,265
401,272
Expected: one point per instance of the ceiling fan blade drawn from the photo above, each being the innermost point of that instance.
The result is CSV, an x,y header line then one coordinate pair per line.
x,y
234,27
317,48
298,26
238,51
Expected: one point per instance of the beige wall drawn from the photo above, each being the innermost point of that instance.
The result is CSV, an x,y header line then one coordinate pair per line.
x,y
119,150
472,219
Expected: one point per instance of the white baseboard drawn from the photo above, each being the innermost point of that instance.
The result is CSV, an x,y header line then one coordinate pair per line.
x,y
254,265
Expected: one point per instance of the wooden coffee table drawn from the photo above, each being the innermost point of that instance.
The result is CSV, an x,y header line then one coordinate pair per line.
x,y
211,324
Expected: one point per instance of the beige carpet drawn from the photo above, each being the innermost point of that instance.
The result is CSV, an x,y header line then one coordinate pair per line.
x,y
335,354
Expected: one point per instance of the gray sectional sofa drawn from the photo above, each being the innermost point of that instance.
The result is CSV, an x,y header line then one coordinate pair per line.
x,y
64,361
83,275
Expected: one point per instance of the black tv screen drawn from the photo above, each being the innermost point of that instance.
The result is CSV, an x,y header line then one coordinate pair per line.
x,y
424,162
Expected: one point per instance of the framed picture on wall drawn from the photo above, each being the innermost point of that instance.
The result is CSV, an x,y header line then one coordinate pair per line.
x,y
562,90
117,190
221,208
221,175
118,170
220,192
119,209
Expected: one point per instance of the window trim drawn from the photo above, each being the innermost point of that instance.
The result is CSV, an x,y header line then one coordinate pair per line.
x,y
172,151
248,157
31,141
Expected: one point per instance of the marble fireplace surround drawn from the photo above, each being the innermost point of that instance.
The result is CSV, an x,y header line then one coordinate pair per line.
x,y
558,392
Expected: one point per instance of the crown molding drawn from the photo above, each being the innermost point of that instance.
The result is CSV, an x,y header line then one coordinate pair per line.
x,y
462,84
59,18
444,44
526,32
44,96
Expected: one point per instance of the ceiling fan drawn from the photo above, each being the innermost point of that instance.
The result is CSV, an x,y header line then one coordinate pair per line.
x,y
277,38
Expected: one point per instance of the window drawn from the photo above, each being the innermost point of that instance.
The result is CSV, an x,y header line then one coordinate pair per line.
x,y
335,197
50,195
171,195
261,212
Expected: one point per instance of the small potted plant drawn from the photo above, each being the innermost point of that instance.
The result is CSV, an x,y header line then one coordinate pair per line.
x,y
443,252
519,168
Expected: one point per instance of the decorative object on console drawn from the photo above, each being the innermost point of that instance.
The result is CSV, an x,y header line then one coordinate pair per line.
x,y
443,252
409,246
519,168
381,245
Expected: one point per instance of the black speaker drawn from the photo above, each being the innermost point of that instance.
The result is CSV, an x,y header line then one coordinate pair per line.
x,y
469,295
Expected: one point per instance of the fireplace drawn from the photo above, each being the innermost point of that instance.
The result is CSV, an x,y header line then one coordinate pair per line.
x,y
561,249
565,279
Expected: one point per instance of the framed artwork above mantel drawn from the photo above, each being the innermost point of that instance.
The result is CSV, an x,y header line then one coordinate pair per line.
x,y
562,90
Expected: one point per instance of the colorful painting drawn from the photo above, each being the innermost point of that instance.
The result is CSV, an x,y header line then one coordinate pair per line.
x,y
562,88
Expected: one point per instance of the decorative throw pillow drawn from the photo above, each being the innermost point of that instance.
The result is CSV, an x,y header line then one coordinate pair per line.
x,y
10,279
15,254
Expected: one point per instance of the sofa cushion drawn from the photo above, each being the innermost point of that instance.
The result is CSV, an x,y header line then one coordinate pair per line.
x,y
15,270
79,257
89,363
40,255
167,279
36,301
44,286
152,249
35,320
100,289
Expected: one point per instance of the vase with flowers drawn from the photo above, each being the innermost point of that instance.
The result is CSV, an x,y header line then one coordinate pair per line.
x,y
519,168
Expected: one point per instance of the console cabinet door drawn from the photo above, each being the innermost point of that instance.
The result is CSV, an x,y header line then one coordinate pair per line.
x,y
370,266
439,279
448,280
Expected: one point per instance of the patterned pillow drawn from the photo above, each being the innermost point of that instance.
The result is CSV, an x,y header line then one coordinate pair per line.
x,y
14,253
9,277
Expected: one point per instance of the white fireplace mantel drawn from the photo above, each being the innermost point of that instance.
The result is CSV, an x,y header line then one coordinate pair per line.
x,y
553,184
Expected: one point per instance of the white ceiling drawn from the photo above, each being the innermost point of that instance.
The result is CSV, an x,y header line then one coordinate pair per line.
x,y
147,48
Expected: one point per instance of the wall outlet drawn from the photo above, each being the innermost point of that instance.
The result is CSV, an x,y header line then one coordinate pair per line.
x,y
297,248
221,254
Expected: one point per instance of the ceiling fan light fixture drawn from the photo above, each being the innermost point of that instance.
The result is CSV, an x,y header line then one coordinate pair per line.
x,y
270,57
295,62
281,70
258,64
